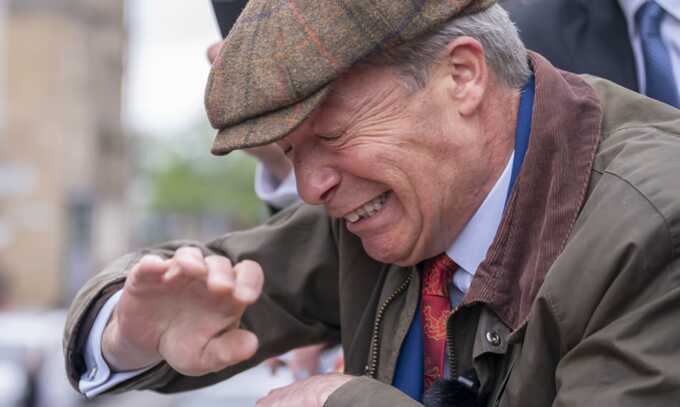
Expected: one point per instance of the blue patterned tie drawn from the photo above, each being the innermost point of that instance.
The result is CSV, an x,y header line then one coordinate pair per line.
x,y
660,83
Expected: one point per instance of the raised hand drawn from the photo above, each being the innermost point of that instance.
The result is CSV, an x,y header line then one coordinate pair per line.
x,y
186,311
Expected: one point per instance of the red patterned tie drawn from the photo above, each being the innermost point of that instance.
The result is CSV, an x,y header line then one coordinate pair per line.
x,y
435,308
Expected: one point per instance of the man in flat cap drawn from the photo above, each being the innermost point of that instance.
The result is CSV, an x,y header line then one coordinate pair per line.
x,y
482,228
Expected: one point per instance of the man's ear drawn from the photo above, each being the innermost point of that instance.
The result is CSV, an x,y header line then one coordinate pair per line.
x,y
467,73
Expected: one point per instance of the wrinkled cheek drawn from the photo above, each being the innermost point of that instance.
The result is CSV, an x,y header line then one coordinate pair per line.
x,y
428,222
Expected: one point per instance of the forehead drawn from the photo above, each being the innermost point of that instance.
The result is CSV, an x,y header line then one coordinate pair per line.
x,y
363,93
361,81
355,95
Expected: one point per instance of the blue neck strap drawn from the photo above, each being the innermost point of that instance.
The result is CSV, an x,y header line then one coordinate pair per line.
x,y
523,129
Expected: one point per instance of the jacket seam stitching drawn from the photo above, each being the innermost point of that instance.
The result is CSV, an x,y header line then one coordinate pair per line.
x,y
631,127
651,204
559,318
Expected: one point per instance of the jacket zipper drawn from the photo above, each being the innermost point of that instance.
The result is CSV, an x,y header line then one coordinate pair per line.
x,y
371,366
451,352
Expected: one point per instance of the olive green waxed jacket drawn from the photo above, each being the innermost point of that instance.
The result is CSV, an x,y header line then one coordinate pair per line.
x,y
577,302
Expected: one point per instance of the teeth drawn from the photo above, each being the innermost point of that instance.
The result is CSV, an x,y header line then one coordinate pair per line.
x,y
367,210
352,217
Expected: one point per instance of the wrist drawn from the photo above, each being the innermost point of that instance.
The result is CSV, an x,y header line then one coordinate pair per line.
x,y
120,354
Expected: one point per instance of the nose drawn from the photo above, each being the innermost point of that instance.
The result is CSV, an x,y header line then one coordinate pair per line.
x,y
316,180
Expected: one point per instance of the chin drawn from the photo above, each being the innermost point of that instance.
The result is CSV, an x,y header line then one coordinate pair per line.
x,y
389,254
379,253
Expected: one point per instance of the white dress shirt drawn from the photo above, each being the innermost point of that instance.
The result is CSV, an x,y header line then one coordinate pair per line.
x,y
670,34
98,377
468,251
470,247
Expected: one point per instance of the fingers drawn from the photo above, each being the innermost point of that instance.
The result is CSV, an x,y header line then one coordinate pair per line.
x,y
149,269
242,282
191,259
188,261
221,276
249,281
230,348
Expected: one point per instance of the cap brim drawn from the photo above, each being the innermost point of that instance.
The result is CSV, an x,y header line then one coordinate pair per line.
x,y
266,128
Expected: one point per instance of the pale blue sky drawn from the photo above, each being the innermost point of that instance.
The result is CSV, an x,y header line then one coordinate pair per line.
x,y
167,66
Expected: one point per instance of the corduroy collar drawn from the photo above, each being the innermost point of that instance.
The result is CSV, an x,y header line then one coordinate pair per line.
x,y
547,197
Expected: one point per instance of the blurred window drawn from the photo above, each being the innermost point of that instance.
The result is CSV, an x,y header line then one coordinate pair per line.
x,y
79,249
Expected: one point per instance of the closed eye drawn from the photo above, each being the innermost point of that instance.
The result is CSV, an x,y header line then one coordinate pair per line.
x,y
331,136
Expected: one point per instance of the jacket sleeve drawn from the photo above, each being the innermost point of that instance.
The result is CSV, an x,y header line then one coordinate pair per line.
x,y
633,359
299,304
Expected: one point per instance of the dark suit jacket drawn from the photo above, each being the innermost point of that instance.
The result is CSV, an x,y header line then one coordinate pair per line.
x,y
581,36
227,11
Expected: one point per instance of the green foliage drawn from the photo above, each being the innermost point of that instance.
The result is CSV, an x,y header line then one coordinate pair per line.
x,y
183,178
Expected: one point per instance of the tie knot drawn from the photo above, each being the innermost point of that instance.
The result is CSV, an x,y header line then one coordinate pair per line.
x,y
437,273
649,18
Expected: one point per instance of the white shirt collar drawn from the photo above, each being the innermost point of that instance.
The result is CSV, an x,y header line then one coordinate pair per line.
x,y
470,247
630,7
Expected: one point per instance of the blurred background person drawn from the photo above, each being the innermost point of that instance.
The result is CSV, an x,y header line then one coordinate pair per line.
x,y
635,43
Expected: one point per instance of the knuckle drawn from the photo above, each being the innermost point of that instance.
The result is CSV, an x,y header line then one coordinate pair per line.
x,y
218,261
146,260
142,266
150,258
250,265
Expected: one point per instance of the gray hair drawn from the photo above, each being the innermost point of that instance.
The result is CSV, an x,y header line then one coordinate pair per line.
x,y
504,51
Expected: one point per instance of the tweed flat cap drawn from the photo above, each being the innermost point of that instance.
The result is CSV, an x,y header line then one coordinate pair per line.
x,y
275,65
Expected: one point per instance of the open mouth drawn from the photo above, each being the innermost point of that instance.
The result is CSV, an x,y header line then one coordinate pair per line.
x,y
368,209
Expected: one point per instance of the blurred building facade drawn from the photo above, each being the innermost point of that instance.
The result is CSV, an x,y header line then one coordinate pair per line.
x,y
64,155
